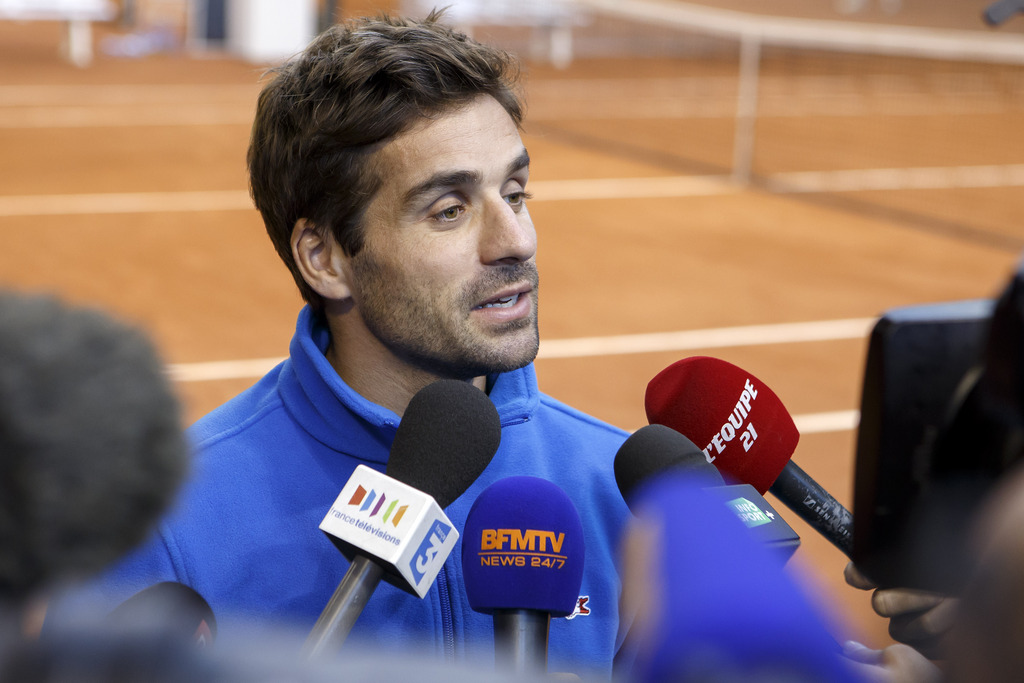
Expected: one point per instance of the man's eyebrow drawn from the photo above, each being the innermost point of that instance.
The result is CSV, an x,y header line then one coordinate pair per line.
x,y
522,161
442,181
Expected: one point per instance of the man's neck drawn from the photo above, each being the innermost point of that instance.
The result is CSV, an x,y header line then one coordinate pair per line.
x,y
375,373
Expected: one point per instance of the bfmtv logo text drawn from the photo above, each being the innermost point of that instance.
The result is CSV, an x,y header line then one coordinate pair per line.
x,y
426,554
521,547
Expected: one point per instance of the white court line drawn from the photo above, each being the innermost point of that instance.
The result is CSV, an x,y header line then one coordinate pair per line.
x,y
234,200
27,95
936,94
135,117
714,338
222,369
821,423
632,188
687,340
927,178
124,202
749,335
1008,175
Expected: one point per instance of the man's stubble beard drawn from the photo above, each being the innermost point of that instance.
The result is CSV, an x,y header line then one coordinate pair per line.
x,y
437,337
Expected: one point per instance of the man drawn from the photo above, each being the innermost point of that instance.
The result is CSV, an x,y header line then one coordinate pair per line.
x,y
387,164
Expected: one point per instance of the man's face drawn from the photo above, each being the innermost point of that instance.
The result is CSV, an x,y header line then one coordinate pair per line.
x,y
447,279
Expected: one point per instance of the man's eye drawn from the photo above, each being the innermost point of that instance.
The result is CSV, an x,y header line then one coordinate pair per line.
x,y
517,199
451,213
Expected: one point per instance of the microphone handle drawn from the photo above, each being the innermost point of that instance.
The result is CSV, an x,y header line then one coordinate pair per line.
x,y
344,607
814,505
521,640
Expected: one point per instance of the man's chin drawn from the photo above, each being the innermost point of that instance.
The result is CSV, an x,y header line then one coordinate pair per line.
x,y
522,350
505,358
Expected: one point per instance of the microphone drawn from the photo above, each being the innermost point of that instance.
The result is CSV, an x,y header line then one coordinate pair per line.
x,y
522,557
391,525
655,450
710,602
750,437
169,607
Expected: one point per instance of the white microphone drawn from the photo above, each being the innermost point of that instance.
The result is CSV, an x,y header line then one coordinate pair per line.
x,y
392,527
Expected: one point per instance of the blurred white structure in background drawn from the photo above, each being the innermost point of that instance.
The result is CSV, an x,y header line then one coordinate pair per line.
x,y
551,21
269,30
79,15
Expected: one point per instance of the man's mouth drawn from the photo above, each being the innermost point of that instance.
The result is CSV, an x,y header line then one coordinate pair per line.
x,y
502,302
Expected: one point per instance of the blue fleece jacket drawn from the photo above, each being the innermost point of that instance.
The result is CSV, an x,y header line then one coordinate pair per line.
x,y
271,462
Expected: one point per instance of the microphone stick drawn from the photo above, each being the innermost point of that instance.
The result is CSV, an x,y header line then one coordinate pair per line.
x,y
521,639
815,505
346,604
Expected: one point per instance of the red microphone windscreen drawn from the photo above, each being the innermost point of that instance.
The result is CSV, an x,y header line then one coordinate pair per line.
x,y
739,422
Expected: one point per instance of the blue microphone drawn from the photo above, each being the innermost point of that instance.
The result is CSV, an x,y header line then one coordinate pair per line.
x,y
522,557
713,601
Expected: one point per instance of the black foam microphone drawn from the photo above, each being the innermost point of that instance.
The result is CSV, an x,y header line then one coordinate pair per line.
x,y
656,450
390,526
522,559
92,448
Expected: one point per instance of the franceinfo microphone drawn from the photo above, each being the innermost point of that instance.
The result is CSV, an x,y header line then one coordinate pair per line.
x,y
391,525
522,557
749,436
656,451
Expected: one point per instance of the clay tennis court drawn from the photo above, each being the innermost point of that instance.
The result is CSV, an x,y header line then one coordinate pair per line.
x,y
122,185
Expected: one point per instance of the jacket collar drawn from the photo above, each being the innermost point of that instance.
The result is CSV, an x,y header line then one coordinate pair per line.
x,y
341,419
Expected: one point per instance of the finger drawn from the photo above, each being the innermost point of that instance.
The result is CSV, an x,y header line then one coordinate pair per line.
x,y
868,673
892,602
856,579
907,664
859,652
923,626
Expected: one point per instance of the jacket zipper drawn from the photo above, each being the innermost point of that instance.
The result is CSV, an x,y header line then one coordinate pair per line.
x,y
447,624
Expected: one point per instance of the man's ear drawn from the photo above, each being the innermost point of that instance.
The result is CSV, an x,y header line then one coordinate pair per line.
x,y
321,260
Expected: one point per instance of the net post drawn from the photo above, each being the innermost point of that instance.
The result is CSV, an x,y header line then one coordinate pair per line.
x,y
746,108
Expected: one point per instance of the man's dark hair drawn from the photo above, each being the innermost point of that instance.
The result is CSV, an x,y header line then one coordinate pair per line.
x,y
92,449
357,86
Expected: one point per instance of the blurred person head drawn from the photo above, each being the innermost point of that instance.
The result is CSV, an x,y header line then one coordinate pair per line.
x,y
91,443
986,642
